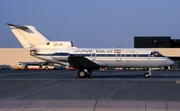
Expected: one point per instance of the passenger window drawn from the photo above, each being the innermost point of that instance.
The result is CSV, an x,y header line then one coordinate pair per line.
x,y
128,55
123,55
134,55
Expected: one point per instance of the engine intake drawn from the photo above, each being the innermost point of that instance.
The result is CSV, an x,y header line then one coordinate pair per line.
x,y
32,52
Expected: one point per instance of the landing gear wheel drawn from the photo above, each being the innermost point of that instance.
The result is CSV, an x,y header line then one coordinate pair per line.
x,y
82,74
89,72
46,68
146,75
88,75
26,67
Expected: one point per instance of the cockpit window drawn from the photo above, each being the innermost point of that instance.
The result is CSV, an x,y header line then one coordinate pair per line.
x,y
156,54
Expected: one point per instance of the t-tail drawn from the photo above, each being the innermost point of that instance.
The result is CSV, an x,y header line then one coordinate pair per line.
x,y
32,39
28,36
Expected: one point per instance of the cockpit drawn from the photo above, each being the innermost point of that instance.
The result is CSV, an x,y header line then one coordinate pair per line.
x,y
156,54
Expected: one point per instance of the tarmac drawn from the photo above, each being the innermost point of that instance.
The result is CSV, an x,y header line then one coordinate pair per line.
x,y
62,90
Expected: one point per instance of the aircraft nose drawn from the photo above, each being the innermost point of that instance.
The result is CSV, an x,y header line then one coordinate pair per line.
x,y
169,62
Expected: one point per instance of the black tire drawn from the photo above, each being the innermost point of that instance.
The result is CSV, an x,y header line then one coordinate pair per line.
x,y
26,67
46,68
90,71
88,75
146,75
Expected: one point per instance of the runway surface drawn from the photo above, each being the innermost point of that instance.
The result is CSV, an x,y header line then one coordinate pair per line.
x,y
102,89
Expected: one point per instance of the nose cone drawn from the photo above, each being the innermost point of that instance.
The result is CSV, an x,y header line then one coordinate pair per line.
x,y
169,62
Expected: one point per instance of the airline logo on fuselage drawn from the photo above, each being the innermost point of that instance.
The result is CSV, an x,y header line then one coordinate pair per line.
x,y
117,51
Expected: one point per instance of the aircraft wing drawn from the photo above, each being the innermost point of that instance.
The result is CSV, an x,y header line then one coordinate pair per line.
x,y
81,62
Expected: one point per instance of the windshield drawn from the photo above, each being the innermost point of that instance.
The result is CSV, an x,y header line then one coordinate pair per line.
x,y
156,54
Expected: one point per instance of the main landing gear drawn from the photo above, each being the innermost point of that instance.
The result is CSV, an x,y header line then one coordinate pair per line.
x,y
148,73
83,73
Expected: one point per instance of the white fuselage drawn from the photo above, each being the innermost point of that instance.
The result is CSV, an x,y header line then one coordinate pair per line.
x,y
107,57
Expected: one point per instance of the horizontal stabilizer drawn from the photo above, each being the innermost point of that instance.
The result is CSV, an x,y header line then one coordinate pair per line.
x,y
17,26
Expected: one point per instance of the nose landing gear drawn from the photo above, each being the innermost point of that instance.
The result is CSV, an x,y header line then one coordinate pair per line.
x,y
148,73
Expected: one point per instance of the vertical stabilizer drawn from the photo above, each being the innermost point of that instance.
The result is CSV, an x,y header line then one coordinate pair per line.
x,y
28,36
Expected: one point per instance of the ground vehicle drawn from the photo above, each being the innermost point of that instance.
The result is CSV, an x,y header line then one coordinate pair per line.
x,y
6,67
19,66
34,66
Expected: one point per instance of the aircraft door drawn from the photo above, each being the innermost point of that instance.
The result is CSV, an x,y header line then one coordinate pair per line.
x,y
93,56
118,57
151,56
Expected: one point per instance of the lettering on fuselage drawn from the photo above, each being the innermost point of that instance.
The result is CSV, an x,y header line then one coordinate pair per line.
x,y
103,51
93,51
83,51
57,44
129,51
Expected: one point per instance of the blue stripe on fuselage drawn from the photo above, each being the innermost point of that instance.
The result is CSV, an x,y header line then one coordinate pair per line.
x,y
97,55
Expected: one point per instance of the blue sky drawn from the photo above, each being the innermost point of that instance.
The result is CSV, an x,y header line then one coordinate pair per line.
x,y
91,23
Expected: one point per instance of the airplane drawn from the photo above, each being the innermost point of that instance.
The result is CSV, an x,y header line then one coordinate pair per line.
x,y
86,59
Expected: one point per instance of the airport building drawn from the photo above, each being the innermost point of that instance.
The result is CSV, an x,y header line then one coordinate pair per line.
x,y
156,42
164,44
12,56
